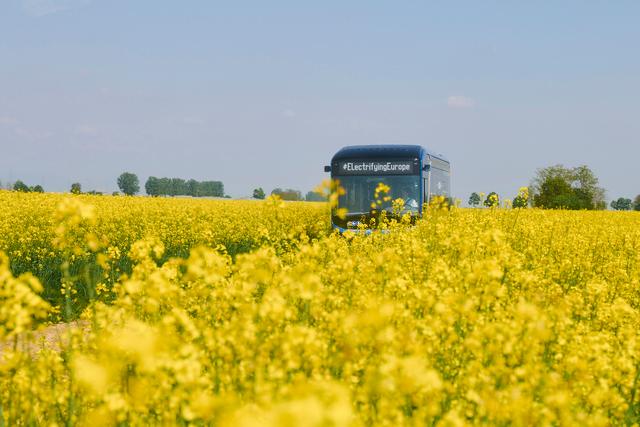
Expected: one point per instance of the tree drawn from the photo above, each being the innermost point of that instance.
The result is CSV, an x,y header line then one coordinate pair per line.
x,y
288,194
314,196
557,187
621,204
258,193
193,188
37,189
556,193
76,188
20,186
636,203
152,186
492,200
291,194
128,183
211,189
164,186
474,199
586,186
178,187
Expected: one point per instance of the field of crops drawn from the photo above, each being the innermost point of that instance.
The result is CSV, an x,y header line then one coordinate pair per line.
x,y
242,313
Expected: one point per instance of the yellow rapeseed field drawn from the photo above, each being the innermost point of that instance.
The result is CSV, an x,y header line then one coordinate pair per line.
x,y
35,230
244,313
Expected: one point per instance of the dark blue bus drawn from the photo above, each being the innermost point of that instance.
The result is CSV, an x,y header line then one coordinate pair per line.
x,y
412,172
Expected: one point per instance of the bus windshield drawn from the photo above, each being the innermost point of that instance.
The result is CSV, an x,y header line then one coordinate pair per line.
x,y
360,192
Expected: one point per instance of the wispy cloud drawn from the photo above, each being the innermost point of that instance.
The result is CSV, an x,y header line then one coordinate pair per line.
x,y
8,121
40,8
459,101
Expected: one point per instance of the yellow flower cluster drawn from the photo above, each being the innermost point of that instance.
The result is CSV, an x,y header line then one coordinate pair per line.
x,y
87,239
524,193
20,304
470,317
493,200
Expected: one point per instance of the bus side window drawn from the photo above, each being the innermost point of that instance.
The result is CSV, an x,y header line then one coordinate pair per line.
x,y
443,183
439,185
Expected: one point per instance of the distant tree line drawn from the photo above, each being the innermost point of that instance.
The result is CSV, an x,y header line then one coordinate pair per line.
x,y
21,187
314,196
558,187
291,195
553,187
180,187
288,194
624,204
76,188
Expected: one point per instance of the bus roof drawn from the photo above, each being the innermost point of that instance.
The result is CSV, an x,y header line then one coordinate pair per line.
x,y
384,151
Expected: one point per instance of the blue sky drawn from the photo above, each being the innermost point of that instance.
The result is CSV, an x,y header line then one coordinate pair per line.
x,y
263,93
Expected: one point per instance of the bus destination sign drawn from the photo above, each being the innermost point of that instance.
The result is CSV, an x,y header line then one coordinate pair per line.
x,y
375,167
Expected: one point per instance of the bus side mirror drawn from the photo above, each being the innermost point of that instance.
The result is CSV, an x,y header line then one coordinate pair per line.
x,y
426,167
327,168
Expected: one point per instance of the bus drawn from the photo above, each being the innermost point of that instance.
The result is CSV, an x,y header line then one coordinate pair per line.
x,y
412,173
